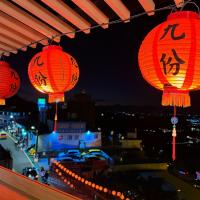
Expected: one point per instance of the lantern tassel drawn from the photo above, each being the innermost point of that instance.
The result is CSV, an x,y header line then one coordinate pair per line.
x,y
2,102
174,143
55,119
174,138
176,98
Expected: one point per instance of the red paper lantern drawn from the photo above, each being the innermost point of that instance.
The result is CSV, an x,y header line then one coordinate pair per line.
x,y
53,72
169,57
9,82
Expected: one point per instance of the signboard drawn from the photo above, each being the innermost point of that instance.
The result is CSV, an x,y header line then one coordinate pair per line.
x,y
41,103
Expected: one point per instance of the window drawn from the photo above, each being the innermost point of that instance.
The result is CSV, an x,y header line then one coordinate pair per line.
x,y
76,137
69,137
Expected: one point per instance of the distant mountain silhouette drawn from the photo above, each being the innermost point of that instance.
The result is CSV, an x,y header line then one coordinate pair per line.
x,y
147,109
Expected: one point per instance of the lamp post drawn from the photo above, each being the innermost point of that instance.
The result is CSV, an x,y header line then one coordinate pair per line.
x,y
36,142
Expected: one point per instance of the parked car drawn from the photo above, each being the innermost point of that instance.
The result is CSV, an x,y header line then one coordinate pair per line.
x,y
73,152
92,157
183,172
3,135
30,172
94,150
72,157
101,154
65,159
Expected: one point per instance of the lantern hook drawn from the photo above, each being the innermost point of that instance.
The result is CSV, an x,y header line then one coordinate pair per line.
x,y
174,9
190,2
50,40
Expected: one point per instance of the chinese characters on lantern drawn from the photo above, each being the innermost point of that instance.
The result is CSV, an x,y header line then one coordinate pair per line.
x,y
13,85
171,65
174,66
39,77
37,62
74,63
74,78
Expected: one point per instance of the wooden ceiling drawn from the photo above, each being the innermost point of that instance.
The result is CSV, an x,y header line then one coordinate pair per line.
x,y
22,22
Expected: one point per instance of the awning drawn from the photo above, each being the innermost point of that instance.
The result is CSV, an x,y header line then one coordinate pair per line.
x,y
23,22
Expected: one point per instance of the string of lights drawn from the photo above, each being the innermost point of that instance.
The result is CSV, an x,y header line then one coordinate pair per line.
x,y
171,7
62,171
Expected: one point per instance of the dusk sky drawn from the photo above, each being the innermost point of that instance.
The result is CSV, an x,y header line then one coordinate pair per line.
x,y
108,62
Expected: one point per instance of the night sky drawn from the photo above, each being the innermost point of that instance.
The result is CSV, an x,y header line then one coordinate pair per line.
x,y
108,62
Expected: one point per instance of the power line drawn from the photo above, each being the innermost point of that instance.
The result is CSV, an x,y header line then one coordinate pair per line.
x,y
170,7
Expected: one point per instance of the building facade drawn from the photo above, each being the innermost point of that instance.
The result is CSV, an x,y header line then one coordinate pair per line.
x,y
69,135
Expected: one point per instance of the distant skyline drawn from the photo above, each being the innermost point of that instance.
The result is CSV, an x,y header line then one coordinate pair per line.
x,y
108,62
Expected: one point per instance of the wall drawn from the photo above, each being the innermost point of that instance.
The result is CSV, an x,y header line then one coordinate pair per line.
x,y
144,166
31,188
131,144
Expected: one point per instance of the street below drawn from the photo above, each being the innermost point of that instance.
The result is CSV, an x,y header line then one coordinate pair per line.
x,y
20,160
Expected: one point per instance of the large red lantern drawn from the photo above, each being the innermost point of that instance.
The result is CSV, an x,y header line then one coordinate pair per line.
x,y
169,57
9,82
53,72
169,60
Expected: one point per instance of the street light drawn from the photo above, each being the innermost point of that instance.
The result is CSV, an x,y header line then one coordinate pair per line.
x,y
36,142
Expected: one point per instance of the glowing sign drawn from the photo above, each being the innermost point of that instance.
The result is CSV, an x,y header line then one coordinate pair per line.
x,y
41,101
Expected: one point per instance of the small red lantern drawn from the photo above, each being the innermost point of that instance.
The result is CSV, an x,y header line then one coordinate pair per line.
x,y
53,72
10,82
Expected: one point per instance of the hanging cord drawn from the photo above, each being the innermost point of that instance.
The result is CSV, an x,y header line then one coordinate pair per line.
x,y
50,41
174,111
190,2
174,137
55,118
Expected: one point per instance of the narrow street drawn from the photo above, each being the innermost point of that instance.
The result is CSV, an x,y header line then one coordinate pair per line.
x,y
20,160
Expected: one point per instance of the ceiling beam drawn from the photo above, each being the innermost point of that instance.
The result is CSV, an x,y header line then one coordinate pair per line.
x,y
25,30
27,19
2,52
16,35
93,11
148,5
179,3
120,9
7,47
45,15
10,41
69,14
